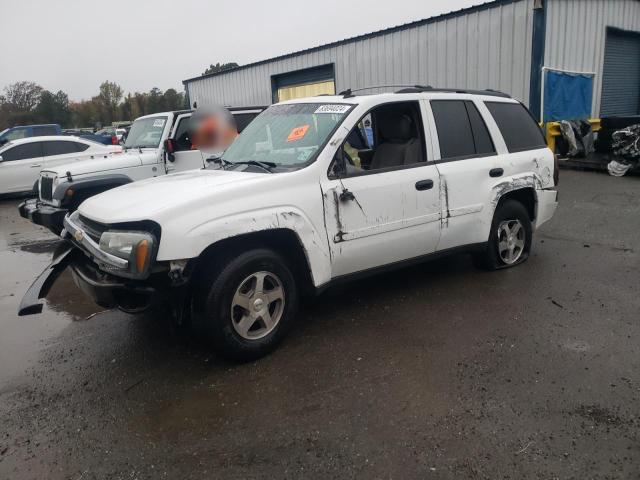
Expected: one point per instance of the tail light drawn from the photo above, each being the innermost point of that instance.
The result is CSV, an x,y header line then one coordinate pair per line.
x,y
114,140
556,169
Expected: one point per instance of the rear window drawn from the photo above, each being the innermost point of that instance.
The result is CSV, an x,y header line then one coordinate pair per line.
x,y
519,130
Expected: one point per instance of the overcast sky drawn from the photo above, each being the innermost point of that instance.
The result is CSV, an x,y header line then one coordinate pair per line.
x,y
74,45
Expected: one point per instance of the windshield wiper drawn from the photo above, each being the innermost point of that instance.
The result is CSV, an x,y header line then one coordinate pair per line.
x,y
268,166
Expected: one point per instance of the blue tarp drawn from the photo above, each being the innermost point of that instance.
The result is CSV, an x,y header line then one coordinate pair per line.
x,y
567,96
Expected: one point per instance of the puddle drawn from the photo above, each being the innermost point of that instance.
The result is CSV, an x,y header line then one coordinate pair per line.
x,y
25,251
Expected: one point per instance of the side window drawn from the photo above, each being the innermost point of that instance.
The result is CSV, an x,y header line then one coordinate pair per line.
x,y
182,140
481,137
22,152
388,137
519,130
80,147
58,148
454,129
42,131
16,134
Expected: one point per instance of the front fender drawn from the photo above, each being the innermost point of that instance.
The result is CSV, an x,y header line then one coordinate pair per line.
x,y
176,244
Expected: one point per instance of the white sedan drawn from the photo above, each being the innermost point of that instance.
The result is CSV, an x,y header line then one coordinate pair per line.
x,y
22,160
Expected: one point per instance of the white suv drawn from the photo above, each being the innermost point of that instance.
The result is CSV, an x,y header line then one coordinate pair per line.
x,y
315,191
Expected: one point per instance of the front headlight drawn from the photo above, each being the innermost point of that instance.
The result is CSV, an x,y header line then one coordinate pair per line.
x,y
136,247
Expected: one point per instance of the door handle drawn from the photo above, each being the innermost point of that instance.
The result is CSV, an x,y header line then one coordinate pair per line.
x,y
424,185
35,165
496,172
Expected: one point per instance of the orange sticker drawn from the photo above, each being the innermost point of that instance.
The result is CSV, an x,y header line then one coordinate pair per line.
x,y
297,133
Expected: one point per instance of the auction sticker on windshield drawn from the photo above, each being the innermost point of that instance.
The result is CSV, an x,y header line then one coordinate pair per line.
x,y
158,123
297,133
332,108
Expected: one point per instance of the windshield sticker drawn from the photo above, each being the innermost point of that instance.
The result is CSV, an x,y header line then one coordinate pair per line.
x,y
297,133
332,109
159,123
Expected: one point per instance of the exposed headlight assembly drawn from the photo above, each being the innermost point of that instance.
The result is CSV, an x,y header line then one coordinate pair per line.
x,y
135,247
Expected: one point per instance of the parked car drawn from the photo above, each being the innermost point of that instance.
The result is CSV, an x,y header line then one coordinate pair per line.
x,y
303,200
27,131
64,187
21,161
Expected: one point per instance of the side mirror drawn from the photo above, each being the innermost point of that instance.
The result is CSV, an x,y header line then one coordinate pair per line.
x,y
170,148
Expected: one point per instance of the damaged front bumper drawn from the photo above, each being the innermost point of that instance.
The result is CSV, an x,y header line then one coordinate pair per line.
x,y
107,291
43,214
39,289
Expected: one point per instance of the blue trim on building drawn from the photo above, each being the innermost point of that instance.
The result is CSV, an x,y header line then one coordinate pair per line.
x,y
537,58
399,28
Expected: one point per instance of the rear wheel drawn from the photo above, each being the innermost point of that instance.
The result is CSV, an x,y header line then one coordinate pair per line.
x,y
250,303
509,239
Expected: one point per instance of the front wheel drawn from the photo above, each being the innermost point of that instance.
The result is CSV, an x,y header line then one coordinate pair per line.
x,y
250,304
510,237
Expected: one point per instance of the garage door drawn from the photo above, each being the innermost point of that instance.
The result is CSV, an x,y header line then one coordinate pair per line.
x,y
621,75
308,82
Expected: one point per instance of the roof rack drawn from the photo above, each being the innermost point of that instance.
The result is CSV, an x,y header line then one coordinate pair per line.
x,y
349,93
429,88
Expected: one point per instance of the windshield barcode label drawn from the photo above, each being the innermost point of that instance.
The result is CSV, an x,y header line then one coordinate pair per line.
x,y
335,108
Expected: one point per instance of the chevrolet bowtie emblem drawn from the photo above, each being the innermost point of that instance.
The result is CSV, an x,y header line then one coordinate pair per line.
x,y
78,235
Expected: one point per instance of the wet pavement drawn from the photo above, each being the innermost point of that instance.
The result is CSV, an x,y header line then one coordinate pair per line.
x,y
436,371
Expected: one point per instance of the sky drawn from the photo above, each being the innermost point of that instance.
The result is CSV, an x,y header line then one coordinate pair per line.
x,y
74,45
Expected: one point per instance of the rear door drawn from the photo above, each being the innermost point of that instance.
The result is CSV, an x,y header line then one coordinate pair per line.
x,y
20,167
185,158
466,157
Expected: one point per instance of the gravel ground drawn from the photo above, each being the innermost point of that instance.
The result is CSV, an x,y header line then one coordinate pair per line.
x,y
436,371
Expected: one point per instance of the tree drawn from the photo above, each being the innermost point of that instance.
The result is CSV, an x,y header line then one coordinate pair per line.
x,y
220,67
172,99
109,98
53,108
22,96
155,101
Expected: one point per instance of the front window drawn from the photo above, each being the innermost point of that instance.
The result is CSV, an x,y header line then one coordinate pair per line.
x,y
287,136
146,132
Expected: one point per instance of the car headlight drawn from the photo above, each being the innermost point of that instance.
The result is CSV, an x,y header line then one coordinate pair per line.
x,y
136,247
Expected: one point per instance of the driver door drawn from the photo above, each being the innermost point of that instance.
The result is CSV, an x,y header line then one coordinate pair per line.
x,y
384,207
184,157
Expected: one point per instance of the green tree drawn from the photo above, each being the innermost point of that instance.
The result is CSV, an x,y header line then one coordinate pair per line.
x,y
220,67
53,108
109,98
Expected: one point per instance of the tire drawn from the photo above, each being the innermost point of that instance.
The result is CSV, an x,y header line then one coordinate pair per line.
x,y
245,334
504,250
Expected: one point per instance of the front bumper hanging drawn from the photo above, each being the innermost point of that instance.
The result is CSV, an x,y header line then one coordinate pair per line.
x,y
39,289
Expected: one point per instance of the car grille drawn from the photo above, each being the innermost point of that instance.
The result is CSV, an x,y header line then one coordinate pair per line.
x,y
46,188
91,228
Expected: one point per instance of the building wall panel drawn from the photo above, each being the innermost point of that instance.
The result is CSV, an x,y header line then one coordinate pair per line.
x,y
576,32
486,48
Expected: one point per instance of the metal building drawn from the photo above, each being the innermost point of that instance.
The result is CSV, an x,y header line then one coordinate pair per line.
x,y
506,45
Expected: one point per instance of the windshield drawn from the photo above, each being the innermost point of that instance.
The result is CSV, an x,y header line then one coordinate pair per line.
x,y
146,132
287,135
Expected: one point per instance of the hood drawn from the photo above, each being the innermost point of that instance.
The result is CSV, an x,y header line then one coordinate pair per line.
x,y
148,199
97,165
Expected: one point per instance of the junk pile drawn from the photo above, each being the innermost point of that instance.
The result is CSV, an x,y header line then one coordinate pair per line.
x,y
626,146
577,138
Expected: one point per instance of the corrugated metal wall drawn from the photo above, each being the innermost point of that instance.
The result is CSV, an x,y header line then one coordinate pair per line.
x,y
575,35
487,48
